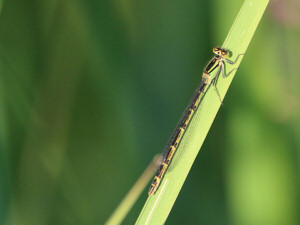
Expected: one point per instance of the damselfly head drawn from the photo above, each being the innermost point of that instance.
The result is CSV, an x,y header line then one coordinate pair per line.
x,y
221,52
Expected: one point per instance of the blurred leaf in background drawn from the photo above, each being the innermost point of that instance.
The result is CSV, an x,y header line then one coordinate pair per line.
x,y
91,90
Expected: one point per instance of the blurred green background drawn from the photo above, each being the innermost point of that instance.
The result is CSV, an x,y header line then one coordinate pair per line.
x,y
91,90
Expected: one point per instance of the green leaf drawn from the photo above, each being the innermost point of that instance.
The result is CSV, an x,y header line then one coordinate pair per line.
x,y
158,206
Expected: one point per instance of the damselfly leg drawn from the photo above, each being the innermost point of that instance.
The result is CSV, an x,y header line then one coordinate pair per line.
x,y
221,58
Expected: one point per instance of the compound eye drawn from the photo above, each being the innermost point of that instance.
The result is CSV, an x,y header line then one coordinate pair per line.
x,y
225,53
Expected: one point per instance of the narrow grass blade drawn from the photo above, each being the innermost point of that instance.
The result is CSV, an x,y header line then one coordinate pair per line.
x,y
126,204
158,206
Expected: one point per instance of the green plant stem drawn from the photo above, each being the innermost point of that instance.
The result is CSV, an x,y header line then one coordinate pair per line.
x,y
131,197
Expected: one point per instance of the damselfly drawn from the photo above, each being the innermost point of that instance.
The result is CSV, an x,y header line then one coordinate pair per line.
x,y
217,61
